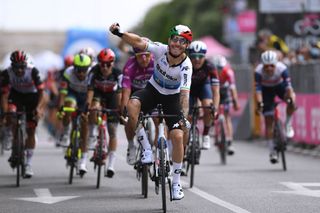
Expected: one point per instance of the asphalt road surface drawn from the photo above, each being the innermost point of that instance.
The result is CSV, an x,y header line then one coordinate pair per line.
x,y
248,183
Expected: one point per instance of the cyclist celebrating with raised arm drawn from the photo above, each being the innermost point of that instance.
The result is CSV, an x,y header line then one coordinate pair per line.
x,y
169,86
204,85
228,94
136,74
105,91
73,93
272,79
22,87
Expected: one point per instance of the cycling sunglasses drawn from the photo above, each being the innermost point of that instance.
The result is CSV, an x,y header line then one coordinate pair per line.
x,y
197,56
146,54
81,70
181,40
106,64
269,65
19,66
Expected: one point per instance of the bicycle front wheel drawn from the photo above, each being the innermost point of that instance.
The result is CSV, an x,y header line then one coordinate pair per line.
x,y
20,156
194,138
280,139
144,180
162,173
74,154
99,151
222,142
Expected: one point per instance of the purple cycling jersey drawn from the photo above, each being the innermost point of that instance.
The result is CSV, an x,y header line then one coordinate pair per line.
x,y
134,76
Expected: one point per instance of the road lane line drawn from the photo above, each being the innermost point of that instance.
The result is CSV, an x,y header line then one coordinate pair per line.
x,y
214,199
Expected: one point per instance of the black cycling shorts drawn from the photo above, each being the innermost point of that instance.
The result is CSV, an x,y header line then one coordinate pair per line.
x,y
150,98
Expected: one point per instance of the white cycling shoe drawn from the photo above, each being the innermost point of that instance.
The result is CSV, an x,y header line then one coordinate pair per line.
x,y
289,131
147,156
177,192
28,171
206,142
131,154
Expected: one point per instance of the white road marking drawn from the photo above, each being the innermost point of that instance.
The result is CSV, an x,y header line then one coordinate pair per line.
x,y
301,189
214,199
45,196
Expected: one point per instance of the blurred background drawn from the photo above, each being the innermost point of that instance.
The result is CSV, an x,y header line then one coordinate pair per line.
x,y
238,29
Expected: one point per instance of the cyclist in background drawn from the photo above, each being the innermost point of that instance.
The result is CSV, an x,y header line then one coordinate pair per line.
x,y
136,74
22,88
272,79
104,90
73,93
169,86
204,86
228,95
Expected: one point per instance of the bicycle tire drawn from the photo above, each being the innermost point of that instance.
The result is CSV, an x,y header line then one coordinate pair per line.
x,y
144,180
280,142
101,137
74,152
195,136
223,143
20,156
162,169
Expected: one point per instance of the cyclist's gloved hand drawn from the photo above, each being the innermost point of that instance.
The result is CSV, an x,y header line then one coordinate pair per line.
x,y
115,29
60,114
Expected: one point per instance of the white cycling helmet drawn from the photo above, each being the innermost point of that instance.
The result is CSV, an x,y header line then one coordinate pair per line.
x,y
197,48
219,61
269,57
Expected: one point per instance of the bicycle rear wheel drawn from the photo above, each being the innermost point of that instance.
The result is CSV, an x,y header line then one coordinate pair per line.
x,y
162,173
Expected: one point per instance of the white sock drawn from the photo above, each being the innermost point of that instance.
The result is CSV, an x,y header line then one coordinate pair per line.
x,y
111,160
176,172
143,139
130,143
169,142
84,158
92,130
289,120
270,145
29,154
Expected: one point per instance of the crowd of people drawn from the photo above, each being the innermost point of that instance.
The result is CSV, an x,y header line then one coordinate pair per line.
x,y
175,74
305,53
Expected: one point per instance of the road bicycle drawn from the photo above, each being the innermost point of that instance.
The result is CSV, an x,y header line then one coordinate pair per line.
x,y
161,166
101,148
17,159
279,135
220,134
73,152
193,152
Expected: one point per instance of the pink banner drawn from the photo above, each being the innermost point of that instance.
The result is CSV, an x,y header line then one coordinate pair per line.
x,y
306,120
247,21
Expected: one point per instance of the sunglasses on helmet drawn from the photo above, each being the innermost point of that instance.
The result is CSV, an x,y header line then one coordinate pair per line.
x,y
181,40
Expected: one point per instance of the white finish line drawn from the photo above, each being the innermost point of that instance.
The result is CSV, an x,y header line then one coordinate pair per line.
x,y
214,199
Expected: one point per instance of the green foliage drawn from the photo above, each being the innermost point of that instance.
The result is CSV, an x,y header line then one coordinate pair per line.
x,y
204,17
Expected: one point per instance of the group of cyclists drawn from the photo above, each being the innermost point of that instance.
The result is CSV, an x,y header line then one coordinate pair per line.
x,y
175,74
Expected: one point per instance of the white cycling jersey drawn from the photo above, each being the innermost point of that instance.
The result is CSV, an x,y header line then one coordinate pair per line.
x,y
169,80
